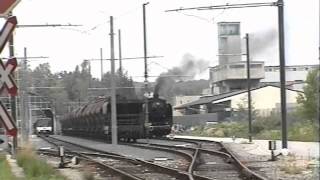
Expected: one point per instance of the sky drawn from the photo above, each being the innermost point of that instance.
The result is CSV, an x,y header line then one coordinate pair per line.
x,y
170,35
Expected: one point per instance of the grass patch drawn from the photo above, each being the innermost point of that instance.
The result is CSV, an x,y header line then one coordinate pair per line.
x,y
88,176
5,171
290,166
35,168
303,131
261,129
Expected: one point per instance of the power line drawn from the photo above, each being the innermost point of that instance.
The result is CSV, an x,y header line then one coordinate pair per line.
x,y
115,88
130,58
226,6
159,65
167,76
46,87
45,25
32,57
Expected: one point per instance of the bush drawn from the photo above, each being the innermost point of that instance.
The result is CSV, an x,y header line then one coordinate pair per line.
x,y
269,134
238,129
266,123
262,128
303,131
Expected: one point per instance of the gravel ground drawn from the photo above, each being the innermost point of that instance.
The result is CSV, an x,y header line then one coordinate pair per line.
x,y
133,152
285,168
38,143
302,163
72,171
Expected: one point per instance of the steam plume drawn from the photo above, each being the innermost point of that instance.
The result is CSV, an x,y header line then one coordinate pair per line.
x,y
261,41
190,66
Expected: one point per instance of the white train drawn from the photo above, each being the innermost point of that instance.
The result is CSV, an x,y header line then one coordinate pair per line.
x,y
43,126
44,130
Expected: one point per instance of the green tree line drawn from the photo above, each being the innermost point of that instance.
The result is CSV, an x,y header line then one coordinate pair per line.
x,y
69,89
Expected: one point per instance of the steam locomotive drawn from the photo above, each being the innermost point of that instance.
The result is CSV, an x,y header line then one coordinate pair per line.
x,y
94,119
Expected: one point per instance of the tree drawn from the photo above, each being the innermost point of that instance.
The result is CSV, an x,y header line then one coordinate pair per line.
x,y
42,78
308,100
122,80
241,112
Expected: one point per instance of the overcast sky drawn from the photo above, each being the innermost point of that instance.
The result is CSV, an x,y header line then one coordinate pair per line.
x,y
169,34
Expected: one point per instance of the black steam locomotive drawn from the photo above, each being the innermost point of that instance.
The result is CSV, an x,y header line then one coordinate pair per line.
x,y
94,119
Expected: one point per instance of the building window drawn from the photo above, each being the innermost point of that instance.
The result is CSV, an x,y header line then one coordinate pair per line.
x,y
294,69
255,66
237,66
229,29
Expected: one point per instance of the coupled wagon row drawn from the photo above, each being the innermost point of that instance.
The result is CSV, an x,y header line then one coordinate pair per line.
x,y
94,119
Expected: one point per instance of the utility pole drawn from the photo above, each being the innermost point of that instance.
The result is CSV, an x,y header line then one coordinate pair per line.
x,y
120,55
249,87
114,125
145,70
101,61
282,76
89,64
26,120
23,101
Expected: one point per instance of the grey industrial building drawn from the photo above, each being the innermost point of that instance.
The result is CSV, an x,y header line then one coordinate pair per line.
x,y
228,83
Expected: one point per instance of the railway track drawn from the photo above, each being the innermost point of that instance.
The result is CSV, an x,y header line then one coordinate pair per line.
x,y
200,160
205,163
120,166
206,146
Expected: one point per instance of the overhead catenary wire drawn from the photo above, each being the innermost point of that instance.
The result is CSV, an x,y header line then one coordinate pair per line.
x,y
45,25
129,58
225,6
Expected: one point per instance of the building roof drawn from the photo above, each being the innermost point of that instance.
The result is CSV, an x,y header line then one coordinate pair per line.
x,y
210,99
291,66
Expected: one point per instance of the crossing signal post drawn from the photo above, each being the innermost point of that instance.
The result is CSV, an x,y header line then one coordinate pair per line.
x,y
7,77
6,6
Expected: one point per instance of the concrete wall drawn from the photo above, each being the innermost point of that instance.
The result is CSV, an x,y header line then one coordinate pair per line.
x,y
184,99
293,73
195,119
229,42
263,98
237,70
